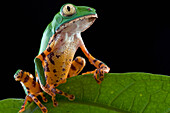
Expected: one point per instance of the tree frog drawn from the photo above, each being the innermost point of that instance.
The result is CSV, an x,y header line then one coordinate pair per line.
x,y
61,39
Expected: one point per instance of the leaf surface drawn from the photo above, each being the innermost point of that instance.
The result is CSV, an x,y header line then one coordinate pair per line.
x,y
10,105
118,93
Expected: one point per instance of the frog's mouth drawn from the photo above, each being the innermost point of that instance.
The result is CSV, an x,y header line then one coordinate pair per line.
x,y
79,24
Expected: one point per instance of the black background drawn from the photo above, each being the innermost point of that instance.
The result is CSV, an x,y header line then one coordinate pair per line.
x,y
128,37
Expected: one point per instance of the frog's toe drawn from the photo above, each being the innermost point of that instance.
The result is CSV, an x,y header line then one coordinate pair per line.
x,y
71,97
55,103
88,72
45,100
44,110
99,72
22,109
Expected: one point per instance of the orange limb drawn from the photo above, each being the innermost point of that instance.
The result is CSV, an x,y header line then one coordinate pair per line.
x,y
89,72
27,98
32,88
52,91
101,67
76,66
57,91
41,106
42,96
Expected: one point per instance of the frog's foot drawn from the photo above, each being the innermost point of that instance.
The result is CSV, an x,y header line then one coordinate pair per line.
x,y
88,72
43,97
55,103
100,72
27,98
41,106
22,109
57,91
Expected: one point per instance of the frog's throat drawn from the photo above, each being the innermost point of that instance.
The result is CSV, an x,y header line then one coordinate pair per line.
x,y
71,31
90,19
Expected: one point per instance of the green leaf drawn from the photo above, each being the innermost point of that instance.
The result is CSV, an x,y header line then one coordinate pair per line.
x,y
10,105
118,93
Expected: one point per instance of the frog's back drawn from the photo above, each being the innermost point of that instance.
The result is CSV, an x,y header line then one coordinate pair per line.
x,y
49,32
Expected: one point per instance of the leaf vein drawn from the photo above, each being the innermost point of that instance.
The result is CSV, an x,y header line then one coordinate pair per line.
x,y
132,103
112,100
146,105
98,94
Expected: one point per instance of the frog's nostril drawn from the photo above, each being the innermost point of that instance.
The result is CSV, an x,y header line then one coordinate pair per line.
x,y
89,9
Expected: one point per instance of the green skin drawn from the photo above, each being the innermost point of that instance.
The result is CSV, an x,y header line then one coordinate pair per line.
x,y
58,21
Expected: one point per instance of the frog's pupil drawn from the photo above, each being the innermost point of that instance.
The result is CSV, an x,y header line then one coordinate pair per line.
x,y
68,8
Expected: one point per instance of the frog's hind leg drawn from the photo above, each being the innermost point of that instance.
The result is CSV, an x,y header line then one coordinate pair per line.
x,y
53,91
57,91
43,96
42,107
48,90
76,66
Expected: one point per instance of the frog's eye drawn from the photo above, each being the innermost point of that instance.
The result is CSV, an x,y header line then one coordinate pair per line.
x,y
68,10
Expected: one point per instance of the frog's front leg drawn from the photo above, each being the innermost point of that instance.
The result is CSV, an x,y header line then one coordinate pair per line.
x,y
101,67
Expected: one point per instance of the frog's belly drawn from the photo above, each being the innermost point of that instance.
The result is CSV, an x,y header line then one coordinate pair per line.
x,y
58,63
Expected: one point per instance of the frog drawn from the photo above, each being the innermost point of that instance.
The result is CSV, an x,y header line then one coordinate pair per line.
x,y
55,62
32,89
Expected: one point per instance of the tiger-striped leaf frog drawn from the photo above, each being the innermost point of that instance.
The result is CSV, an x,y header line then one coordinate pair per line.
x,y
61,39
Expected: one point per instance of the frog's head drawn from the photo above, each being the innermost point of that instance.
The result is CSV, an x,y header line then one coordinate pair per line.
x,y
80,17
18,75
71,19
